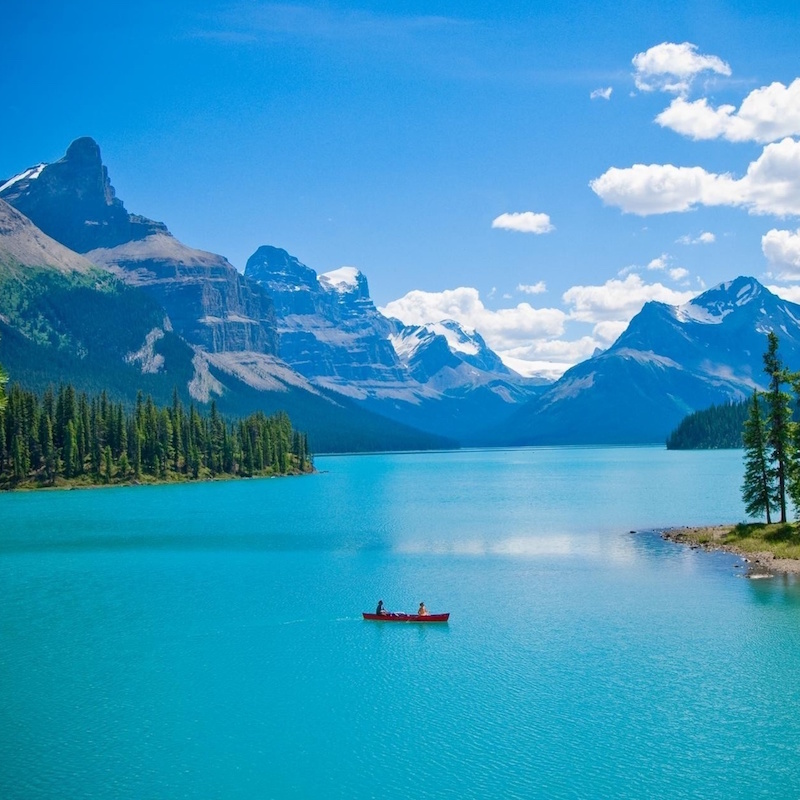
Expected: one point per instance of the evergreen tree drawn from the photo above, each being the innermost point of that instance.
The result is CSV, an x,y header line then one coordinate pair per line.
x,y
759,491
3,382
779,427
108,464
67,435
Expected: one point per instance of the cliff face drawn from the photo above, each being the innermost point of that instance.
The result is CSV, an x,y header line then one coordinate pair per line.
x,y
328,325
209,303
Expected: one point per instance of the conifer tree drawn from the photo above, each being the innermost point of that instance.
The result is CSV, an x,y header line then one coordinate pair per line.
x,y
779,426
758,489
3,382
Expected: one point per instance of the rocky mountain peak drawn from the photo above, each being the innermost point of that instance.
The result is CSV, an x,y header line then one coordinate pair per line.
x,y
274,266
72,200
84,150
346,280
715,304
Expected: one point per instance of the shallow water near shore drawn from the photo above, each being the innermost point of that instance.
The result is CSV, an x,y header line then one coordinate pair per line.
x,y
205,640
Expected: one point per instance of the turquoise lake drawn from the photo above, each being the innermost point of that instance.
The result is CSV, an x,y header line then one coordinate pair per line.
x,y
206,640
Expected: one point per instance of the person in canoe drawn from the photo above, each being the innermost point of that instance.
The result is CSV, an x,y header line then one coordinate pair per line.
x,y
380,610
423,612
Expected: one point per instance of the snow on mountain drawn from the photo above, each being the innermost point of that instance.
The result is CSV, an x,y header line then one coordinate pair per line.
x,y
30,174
344,279
670,361
438,377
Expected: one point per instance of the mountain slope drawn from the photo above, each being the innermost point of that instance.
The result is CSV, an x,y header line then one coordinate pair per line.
x,y
62,319
208,301
438,378
671,361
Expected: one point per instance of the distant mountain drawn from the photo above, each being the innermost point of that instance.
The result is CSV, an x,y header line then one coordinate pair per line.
x,y
671,361
439,378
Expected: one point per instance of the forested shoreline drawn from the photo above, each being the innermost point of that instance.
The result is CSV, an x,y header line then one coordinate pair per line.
x,y
68,438
718,427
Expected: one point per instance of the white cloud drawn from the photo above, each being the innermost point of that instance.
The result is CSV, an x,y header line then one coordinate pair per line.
x,y
790,293
609,330
550,357
659,263
782,249
502,329
618,300
602,94
532,288
679,273
770,186
527,339
659,188
766,115
524,222
704,238
670,67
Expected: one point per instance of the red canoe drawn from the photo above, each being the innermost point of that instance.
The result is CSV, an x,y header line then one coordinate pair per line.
x,y
398,617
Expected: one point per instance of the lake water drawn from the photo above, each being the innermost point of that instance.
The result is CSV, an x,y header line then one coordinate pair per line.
x,y
205,640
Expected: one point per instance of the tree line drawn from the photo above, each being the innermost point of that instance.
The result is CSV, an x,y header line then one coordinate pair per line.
x,y
714,428
63,434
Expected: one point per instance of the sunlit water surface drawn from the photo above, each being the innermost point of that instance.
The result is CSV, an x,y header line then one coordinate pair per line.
x,y
206,640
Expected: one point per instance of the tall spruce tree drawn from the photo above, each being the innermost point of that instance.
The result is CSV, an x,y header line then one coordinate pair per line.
x,y
779,428
758,489
3,382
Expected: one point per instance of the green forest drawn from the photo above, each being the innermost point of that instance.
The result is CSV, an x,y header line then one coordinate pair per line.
x,y
62,437
716,428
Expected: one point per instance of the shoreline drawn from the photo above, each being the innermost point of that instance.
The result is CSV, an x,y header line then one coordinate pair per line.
x,y
711,538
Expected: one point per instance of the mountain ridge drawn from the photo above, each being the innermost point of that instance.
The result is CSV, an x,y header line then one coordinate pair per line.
x,y
670,361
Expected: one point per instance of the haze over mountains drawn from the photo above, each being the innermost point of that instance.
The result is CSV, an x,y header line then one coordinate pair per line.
x,y
94,294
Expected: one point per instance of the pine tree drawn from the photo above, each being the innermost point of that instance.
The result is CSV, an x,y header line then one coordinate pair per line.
x,y
3,382
759,491
108,464
779,426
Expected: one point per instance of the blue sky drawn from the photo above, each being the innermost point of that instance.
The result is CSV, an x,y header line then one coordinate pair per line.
x,y
391,137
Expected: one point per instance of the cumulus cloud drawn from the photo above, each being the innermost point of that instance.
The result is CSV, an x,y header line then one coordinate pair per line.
x,y
670,67
618,300
602,93
608,331
524,222
659,263
703,238
502,329
766,115
534,341
782,249
550,357
532,288
771,185
679,273
790,293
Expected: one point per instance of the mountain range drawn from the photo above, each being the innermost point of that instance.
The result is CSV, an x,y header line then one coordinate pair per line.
x,y
669,362
279,336
104,298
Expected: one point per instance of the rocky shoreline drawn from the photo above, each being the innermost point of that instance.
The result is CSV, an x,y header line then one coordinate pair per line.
x,y
762,564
